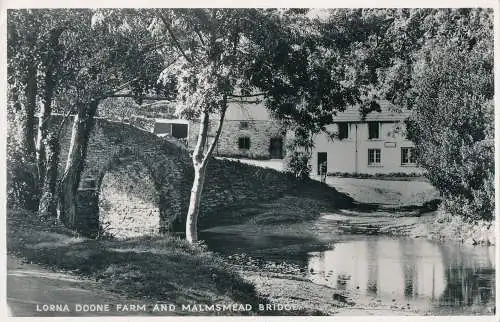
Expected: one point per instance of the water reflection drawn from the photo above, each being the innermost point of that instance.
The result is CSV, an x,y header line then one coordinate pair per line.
x,y
408,269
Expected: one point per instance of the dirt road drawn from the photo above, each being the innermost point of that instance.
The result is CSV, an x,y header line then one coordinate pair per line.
x,y
31,290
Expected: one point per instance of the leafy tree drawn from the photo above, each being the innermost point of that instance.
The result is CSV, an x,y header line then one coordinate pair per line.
x,y
442,68
286,58
22,30
68,58
34,59
452,127
111,56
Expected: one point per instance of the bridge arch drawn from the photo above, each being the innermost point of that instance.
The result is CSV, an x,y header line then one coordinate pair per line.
x,y
144,172
128,198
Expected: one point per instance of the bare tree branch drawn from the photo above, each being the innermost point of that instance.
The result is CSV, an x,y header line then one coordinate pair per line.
x,y
124,85
199,36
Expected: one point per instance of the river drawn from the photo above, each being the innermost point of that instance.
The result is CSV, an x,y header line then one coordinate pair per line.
x,y
434,277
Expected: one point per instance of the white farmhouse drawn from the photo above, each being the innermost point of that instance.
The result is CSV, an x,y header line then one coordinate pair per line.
x,y
375,144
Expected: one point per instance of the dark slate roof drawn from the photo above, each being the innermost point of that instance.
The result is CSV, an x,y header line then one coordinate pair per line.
x,y
388,112
250,112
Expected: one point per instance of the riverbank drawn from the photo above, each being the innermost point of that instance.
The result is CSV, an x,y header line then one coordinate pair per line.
x,y
147,269
442,226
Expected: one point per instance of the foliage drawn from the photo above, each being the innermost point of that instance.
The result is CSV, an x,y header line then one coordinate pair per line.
x,y
304,68
446,226
117,108
299,165
22,188
439,63
452,127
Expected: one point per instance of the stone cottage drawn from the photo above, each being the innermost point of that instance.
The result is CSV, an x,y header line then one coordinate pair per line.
x,y
248,131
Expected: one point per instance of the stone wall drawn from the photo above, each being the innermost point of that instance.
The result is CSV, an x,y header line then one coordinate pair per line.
x,y
146,124
112,144
128,201
259,132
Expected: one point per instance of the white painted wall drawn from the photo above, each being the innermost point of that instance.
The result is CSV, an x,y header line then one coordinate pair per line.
x,y
342,156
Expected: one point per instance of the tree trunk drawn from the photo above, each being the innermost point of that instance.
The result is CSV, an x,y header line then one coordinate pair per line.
x,y
48,202
50,62
194,203
30,92
200,162
28,135
82,127
43,128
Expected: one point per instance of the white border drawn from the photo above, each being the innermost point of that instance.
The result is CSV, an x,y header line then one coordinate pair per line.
x,y
5,4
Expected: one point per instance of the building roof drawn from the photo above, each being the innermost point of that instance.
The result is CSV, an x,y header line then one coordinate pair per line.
x,y
247,112
388,112
167,121
258,112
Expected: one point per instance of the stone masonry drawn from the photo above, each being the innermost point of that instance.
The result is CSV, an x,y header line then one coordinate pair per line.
x,y
258,132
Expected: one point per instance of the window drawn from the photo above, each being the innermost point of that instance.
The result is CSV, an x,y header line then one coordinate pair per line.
x,y
343,130
244,143
373,156
179,131
243,125
408,156
373,130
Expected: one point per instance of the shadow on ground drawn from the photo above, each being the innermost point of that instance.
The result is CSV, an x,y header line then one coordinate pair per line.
x,y
148,268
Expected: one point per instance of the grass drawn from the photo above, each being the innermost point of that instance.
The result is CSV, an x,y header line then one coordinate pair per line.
x,y
301,203
403,176
148,268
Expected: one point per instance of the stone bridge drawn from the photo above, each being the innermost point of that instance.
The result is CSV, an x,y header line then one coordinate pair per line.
x,y
140,183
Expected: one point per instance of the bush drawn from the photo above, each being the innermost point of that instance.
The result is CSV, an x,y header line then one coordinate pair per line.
x,y
22,181
298,164
452,227
452,127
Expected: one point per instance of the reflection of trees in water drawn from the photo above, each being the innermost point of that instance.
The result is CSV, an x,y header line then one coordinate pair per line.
x,y
372,253
446,274
468,286
468,283
409,270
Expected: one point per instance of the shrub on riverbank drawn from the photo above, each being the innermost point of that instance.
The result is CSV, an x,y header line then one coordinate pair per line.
x,y
149,268
446,226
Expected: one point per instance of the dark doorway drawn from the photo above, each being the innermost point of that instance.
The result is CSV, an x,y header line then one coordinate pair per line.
x,y
276,148
322,157
179,131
